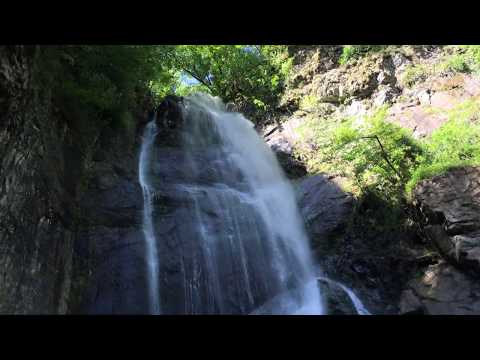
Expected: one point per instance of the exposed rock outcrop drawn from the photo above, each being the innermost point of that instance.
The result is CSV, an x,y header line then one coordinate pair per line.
x,y
449,211
450,207
441,290
325,208
374,263
385,265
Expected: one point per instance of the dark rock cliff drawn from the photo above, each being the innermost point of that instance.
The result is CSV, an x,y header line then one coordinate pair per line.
x,y
49,164
36,192
449,211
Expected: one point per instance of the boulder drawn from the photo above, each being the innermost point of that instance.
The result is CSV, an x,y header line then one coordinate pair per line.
x,y
449,205
324,205
337,300
169,112
441,290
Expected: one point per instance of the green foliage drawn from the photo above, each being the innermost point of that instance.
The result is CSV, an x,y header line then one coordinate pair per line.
x,y
308,102
392,172
105,81
455,63
378,154
316,133
351,52
473,55
414,74
238,73
465,59
384,160
349,148
455,144
456,140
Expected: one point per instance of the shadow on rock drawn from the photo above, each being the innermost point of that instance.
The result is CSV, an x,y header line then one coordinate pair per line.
x,y
356,246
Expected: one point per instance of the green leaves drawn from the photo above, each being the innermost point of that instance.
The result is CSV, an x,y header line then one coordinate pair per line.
x,y
378,154
456,143
238,73
386,160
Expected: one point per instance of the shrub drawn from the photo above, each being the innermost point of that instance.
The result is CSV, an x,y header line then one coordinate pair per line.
x,y
455,63
466,59
414,74
308,102
380,155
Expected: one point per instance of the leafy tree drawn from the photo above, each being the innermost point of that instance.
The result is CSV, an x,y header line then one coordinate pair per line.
x,y
238,73
107,81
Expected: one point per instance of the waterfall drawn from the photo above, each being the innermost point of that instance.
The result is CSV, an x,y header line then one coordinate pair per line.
x,y
229,236
151,248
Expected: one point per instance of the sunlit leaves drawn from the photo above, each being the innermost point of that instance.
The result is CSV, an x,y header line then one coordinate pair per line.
x,y
238,73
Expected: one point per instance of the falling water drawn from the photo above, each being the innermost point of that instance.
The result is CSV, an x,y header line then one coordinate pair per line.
x,y
234,241
151,249
359,307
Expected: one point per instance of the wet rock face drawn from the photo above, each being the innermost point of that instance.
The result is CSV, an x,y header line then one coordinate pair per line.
x,y
110,246
293,168
374,264
36,208
450,207
170,120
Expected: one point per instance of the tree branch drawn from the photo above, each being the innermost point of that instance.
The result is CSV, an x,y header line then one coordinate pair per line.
x,y
199,79
271,131
384,154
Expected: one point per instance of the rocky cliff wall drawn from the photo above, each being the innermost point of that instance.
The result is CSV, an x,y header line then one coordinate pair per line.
x,y
49,162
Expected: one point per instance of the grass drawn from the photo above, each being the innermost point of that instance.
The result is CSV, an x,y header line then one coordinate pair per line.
x,y
424,172
455,144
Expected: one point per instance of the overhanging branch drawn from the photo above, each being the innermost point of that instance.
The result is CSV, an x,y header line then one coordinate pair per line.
x,y
384,154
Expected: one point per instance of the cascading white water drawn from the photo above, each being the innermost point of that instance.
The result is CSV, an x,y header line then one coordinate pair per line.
x,y
151,248
234,241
